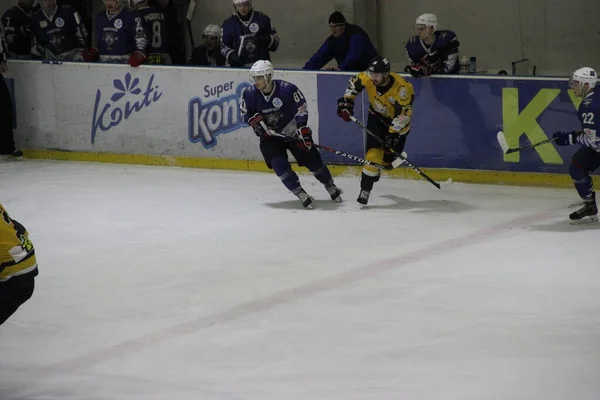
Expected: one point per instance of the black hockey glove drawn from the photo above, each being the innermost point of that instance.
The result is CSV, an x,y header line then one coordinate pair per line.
x,y
392,140
565,138
345,108
417,70
305,134
234,60
257,123
432,60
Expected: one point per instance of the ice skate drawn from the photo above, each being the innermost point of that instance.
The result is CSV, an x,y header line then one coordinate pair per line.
x,y
305,198
589,209
335,192
363,198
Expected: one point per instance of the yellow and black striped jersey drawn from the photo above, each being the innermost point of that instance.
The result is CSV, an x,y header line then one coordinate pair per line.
x,y
17,255
395,101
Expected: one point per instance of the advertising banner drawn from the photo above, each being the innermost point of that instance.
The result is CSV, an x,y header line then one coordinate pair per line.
x,y
455,122
194,112
191,112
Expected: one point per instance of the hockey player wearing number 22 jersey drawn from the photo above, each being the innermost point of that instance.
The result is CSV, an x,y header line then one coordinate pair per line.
x,y
587,158
120,36
277,112
18,266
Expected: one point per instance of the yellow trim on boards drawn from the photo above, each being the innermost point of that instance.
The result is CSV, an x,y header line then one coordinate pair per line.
x,y
457,175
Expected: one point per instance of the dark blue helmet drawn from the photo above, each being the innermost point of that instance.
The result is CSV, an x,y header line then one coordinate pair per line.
x,y
379,65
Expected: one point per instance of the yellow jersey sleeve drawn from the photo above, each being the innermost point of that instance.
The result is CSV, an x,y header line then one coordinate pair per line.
x,y
402,97
17,255
356,84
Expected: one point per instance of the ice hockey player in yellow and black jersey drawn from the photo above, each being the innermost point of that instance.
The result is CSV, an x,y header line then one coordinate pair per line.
x,y
390,111
18,267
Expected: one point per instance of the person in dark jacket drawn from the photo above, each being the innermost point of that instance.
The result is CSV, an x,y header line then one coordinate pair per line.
x,y
209,54
349,44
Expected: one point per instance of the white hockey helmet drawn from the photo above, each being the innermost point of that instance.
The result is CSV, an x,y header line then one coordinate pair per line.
x,y
582,76
428,20
262,68
212,30
237,2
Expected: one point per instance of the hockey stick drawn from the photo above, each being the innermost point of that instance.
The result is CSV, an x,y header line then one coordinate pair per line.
x,y
188,17
504,145
414,167
242,39
393,165
397,162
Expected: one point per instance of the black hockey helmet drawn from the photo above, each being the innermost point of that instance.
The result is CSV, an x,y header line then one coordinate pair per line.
x,y
379,65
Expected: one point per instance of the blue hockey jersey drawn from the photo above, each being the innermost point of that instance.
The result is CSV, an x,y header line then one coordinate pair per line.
x,y
441,57
284,110
251,40
119,35
57,34
589,116
353,51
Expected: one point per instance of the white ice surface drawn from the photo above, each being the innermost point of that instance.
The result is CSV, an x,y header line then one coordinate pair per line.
x,y
168,284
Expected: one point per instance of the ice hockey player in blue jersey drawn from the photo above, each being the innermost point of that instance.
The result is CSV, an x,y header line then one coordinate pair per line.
x,y
277,112
432,51
17,28
155,26
58,33
348,44
587,158
248,36
120,36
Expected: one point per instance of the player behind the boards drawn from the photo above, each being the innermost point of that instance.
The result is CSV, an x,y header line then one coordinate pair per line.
x,y
277,112
587,158
17,27
155,26
58,33
18,266
390,111
432,51
120,36
209,54
248,35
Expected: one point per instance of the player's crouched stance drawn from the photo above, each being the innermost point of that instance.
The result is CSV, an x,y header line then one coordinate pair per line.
x,y
587,158
277,112
390,111
18,267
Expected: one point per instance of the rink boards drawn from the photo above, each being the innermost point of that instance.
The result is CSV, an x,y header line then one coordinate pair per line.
x,y
190,117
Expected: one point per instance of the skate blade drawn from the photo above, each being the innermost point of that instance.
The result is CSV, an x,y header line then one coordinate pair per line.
x,y
338,199
591,219
11,158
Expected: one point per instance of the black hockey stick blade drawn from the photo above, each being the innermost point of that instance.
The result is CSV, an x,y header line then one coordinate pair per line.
x,y
504,144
